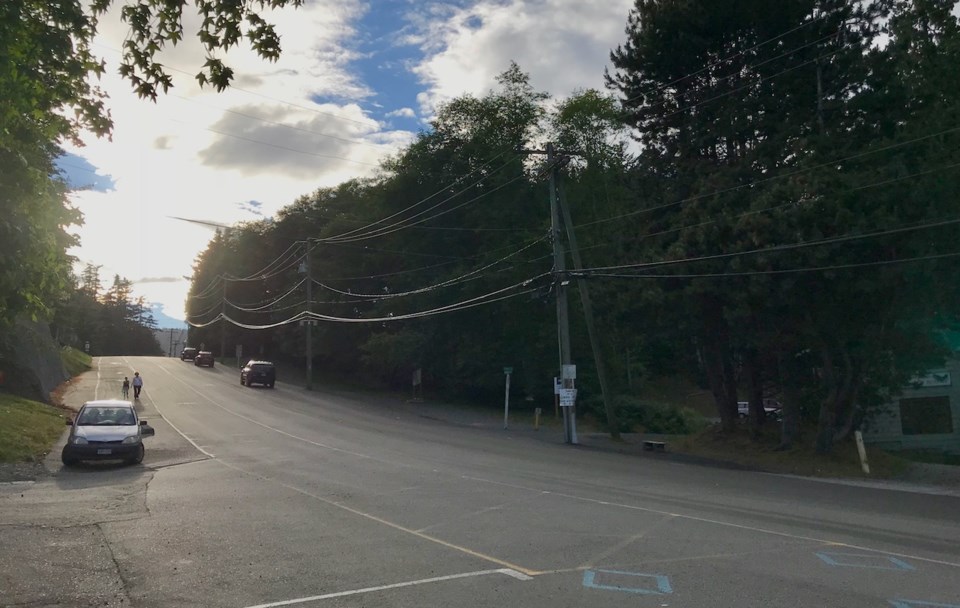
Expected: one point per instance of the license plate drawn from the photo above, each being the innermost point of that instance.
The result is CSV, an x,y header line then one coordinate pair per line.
x,y
104,451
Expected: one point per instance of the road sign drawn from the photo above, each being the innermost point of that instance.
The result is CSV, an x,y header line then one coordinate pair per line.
x,y
508,370
568,397
569,372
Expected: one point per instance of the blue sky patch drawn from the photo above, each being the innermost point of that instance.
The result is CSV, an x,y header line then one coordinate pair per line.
x,y
81,175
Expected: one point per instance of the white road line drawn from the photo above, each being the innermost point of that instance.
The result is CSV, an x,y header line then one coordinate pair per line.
x,y
96,389
173,426
529,489
425,581
276,430
722,523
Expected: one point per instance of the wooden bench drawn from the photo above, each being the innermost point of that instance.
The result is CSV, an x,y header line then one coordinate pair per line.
x,y
655,446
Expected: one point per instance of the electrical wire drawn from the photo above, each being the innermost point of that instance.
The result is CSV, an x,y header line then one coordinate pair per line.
x,y
771,178
463,305
401,226
446,283
726,59
642,275
778,248
351,235
265,305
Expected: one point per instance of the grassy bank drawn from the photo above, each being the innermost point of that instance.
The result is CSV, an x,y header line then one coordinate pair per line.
x,y
27,429
75,361
762,453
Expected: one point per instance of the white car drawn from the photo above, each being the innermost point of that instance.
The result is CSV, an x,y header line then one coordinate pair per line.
x,y
770,406
106,430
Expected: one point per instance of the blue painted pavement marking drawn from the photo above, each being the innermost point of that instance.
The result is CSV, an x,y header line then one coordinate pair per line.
x,y
863,560
608,579
918,603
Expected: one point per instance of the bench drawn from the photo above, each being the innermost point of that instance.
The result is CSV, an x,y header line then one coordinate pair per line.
x,y
655,446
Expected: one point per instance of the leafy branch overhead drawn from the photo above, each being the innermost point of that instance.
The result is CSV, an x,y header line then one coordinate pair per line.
x,y
156,23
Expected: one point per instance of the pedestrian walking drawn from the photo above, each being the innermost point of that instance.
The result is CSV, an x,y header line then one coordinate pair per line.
x,y
125,390
137,385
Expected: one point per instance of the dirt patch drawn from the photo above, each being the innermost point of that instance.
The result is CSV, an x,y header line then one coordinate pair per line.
x,y
22,471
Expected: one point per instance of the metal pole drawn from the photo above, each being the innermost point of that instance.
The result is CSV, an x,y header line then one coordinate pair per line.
x,y
309,320
223,323
613,424
506,401
563,317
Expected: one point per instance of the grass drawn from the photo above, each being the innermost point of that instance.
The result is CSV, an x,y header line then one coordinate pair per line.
x,y
930,456
75,361
27,429
802,459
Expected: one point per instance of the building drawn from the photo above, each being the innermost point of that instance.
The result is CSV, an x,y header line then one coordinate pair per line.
x,y
925,416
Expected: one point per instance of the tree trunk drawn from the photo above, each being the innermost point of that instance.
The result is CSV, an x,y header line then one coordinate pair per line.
x,y
718,365
790,425
755,386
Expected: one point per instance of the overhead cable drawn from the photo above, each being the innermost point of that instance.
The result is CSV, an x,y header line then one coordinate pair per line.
x,y
777,248
446,283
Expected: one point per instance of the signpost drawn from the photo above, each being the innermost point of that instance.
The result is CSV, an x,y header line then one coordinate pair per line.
x,y
506,397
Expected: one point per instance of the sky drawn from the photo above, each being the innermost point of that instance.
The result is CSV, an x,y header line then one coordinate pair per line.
x,y
357,81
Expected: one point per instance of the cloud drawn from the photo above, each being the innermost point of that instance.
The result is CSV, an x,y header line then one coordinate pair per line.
x,y
270,139
563,44
402,113
160,280
254,207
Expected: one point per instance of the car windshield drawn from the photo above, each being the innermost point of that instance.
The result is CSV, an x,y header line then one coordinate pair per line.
x,y
106,416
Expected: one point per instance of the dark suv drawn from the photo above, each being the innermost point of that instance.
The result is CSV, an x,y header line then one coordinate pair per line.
x,y
204,357
259,372
188,353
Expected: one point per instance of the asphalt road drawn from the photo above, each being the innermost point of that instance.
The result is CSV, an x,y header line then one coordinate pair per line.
x,y
257,497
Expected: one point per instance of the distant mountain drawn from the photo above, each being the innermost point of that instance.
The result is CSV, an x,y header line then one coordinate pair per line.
x,y
163,321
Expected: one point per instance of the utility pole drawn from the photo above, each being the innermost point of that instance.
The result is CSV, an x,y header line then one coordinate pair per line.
x,y
563,316
171,341
223,322
309,319
585,301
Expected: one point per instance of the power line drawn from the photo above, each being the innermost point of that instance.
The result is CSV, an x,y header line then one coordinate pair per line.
x,y
778,248
446,283
642,275
351,235
726,59
751,184
781,206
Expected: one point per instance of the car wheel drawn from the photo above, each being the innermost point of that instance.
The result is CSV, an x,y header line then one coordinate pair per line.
x,y
241,381
137,458
68,461
270,385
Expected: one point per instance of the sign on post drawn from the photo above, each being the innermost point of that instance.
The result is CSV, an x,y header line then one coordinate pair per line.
x,y
568,397
569,372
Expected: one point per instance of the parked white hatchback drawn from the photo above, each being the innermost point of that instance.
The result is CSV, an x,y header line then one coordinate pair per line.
x,y
106,430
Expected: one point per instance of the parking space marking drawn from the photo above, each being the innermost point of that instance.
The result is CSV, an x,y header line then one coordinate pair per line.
x,y
424,581
873,561
717,522
607,580
623,544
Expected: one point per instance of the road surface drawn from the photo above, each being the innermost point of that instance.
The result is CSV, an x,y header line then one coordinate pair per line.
x,y
252,497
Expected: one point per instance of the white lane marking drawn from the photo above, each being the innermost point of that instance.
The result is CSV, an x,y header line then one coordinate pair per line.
x,y
386,522
174,427
96,389
424,581
529,489
720,523
276,430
